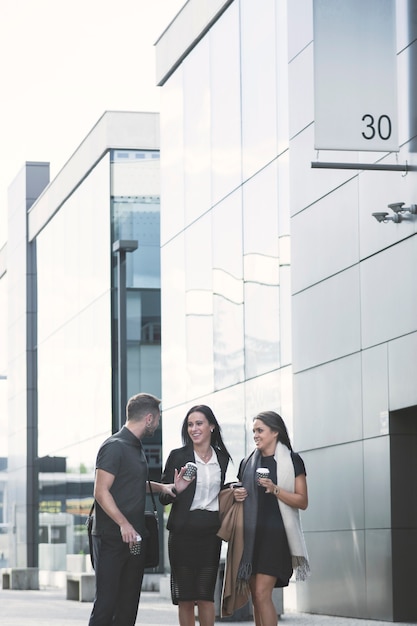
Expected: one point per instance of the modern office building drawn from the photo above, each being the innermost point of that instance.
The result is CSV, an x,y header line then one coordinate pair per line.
x,y
280,289
80,276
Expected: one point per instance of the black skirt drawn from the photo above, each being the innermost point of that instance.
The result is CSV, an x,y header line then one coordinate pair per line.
x,y
194,555
271,554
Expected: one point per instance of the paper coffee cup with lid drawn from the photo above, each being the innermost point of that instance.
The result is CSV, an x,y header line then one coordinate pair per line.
x,y
190,471
262,472
136,547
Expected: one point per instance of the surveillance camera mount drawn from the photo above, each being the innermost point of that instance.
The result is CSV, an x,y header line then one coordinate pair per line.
x,y
380,216
400,213
397,207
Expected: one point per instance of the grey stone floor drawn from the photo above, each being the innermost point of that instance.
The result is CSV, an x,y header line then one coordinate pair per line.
x,y
49,607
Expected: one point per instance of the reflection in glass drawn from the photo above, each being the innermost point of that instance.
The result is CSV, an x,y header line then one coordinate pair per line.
x,y
174,353
118,199
226,157
261,272
259,105
228,332
172,156
197,178
199,306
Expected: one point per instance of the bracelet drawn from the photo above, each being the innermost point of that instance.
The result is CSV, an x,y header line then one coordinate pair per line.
x,y
276,491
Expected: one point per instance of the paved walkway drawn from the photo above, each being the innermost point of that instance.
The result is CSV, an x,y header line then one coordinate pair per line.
x,y
49,607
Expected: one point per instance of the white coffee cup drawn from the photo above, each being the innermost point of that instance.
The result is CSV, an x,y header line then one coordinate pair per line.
x,y
262,472
190,471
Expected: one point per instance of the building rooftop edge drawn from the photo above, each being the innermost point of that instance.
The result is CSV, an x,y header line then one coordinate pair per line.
x,y
184,32
127,130
3,260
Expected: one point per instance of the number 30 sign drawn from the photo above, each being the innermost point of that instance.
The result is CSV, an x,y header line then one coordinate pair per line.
x,y
355,75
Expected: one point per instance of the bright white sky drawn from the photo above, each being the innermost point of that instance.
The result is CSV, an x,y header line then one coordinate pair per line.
x,y
62,64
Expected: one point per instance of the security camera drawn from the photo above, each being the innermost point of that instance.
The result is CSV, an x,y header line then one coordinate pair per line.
x,y
396,206
380,216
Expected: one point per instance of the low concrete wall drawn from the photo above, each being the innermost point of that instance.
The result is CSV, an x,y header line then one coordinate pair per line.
x,y
20,578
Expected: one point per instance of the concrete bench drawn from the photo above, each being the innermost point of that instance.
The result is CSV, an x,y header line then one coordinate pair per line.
x,y
81,586
20,577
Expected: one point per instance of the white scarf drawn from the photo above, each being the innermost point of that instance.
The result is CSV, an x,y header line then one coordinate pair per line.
x,y
291,515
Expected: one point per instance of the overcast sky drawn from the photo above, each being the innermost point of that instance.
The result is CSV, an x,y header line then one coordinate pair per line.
x,y
62,64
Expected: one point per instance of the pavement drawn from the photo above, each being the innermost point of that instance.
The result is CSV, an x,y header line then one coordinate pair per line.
x,y
49,607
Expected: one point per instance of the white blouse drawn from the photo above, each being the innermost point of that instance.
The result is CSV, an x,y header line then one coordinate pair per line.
x,y
208,484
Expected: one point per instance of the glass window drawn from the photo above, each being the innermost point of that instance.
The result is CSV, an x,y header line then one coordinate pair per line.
x,y
58,534
228,291
74,356
135,215
229,408
143,331
226,139
266,392
281,40
197,174
261,272
3,367
74,331
259,91
174,328
73,254
199,306
172,156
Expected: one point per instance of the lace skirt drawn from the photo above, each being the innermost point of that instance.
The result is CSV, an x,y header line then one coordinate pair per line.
x,y
194,559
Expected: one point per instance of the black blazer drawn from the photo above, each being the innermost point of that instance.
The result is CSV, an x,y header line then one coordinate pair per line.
x,y
182,503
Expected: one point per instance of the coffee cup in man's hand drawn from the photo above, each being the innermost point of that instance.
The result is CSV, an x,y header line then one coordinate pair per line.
x,y
136,546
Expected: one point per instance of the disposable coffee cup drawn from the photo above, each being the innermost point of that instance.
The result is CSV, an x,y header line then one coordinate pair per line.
x,y
262,472
137,546
190,471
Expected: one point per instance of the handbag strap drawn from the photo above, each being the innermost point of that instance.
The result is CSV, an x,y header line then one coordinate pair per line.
x,y
153,499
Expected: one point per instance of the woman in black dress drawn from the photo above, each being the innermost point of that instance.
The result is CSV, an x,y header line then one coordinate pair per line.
x,y
273,540
193,546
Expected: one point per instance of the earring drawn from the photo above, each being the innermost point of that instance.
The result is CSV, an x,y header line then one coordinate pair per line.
x,y
212,430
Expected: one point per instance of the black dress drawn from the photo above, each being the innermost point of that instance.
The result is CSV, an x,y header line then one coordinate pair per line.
x,y
271,554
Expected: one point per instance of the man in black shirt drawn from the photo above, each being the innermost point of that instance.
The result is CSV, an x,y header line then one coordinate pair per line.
x,y
120,494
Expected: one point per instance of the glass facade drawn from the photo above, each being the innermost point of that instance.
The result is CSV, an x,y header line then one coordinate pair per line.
x,y
136,217
3,421
72,335
74,328
3,364
225,288
296,284
77,335
263,297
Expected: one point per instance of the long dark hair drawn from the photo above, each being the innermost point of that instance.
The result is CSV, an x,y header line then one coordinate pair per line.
x,y
216,437
277,424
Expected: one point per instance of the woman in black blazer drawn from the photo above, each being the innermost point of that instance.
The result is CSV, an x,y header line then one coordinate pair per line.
x,y
193,545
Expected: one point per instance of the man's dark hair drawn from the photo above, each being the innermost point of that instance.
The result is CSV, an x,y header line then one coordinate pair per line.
x,y
140,405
